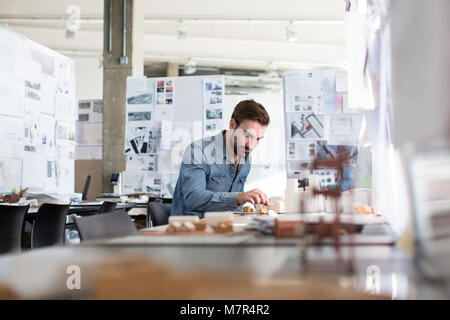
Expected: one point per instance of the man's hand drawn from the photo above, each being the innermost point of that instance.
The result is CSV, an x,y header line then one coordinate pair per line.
x,y
253,196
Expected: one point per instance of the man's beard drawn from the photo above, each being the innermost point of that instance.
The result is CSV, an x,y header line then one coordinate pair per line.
x,y
235,148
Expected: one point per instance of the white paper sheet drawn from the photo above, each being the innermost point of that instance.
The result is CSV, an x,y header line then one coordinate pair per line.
x,y
88,152
10,174
90,111
31,126
344,129
33,172
133,181
142,162
65,176
12,95
341,81
47,140
301,150
65,133
166,134
305,91
12,137
89,133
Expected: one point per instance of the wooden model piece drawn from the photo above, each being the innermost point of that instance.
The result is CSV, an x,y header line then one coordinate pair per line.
x,y
173,227
223,226
333,229
366,210
200,225
187,226
286,229
180,226
248,209
261,209
264,210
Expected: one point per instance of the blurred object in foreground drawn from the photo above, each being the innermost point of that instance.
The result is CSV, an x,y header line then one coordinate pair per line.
x,y
143,279
429,174
6,293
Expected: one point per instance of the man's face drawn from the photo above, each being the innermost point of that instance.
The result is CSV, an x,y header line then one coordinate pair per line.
x,y
246,136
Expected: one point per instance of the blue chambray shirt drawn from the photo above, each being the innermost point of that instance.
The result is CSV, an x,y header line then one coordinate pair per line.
x,y
205,182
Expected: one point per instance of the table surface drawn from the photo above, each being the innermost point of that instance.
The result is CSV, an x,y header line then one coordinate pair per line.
x,y
86,207
41,273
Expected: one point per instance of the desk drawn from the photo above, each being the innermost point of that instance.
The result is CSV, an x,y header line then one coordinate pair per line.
x,y
42,273
82,209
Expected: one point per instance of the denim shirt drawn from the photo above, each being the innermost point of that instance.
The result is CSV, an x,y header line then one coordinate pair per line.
x,y
206,180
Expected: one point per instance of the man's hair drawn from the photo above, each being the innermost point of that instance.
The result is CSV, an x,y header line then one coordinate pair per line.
x,y
250,110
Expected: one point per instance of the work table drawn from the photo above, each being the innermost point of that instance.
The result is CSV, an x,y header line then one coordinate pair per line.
x,y
42,273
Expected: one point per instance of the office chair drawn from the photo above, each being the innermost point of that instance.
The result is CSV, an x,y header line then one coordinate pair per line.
x,y
158,213
11,223
49,226
107,206
86,188
104,226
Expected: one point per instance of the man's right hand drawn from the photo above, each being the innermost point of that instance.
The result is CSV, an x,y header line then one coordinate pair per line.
x,y
253,196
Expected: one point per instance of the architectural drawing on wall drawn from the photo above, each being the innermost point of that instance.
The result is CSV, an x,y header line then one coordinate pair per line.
x,y
133,181
37,94
344,129
213,96
88,134
164,98
30,133
141,140
142,162
306,126
156,135
304,150
139,100
47,139
317,122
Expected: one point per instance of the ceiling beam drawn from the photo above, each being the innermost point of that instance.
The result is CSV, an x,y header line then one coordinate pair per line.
x,y
190,20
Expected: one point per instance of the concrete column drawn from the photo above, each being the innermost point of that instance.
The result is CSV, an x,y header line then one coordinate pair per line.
x,y
172,69
115,72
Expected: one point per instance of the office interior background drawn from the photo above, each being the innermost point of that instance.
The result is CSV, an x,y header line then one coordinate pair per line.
x,y
99,99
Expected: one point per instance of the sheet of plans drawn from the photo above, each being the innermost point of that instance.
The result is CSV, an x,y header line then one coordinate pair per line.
x,y
319,124
38,111
163,116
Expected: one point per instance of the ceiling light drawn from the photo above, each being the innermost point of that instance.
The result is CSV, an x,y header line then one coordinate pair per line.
x,y
73,20
190,66
271,70
182,30
291,35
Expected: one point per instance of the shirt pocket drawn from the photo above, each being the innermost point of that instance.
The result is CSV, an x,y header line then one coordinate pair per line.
x,y
217,183
218,179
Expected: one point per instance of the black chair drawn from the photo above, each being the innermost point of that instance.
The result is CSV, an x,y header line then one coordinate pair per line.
x,y
103,226
11,223
86,188
107,206
48,228
158,213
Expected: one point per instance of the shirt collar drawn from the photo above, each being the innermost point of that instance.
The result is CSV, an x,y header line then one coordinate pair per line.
x,y
221,149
